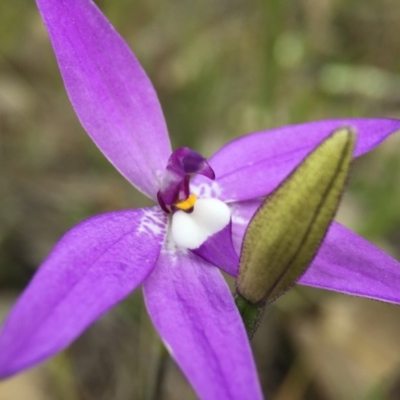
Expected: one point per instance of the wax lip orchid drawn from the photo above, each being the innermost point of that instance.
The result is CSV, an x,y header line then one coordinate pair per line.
x,y
198,223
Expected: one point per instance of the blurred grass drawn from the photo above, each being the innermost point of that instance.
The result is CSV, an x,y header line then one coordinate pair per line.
x,y
221,69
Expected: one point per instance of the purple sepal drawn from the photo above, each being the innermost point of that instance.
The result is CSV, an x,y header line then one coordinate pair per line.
x,y
218,250
93,267
182,165
347,263
193,310
109,90
254,165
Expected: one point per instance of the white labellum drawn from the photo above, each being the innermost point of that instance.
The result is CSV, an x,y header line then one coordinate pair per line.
x,y
209,216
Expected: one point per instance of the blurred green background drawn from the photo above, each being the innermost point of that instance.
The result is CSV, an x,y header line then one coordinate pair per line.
x,y
222,68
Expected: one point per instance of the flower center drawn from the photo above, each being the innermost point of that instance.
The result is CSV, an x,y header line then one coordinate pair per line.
x,y
174,193
194,221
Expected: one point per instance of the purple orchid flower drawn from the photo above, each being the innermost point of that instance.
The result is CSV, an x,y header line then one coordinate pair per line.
x,y
203,209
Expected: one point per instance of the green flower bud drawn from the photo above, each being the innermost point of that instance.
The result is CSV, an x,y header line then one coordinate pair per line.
x,y
286,231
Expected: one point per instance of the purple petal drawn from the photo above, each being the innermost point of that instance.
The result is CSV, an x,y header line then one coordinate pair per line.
x,y
219,251
256,164
111,94
193,310
94,266
349,264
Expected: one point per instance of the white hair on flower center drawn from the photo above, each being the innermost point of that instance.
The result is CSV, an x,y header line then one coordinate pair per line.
x,y
209,189
209,216
152,222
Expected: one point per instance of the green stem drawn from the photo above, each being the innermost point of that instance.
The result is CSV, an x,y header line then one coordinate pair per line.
x,y
160,373
251,313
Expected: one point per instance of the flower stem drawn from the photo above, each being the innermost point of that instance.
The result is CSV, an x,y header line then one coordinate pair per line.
x,y
251,313
161,370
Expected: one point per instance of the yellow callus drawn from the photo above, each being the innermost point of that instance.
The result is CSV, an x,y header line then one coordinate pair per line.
x,y
187,204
